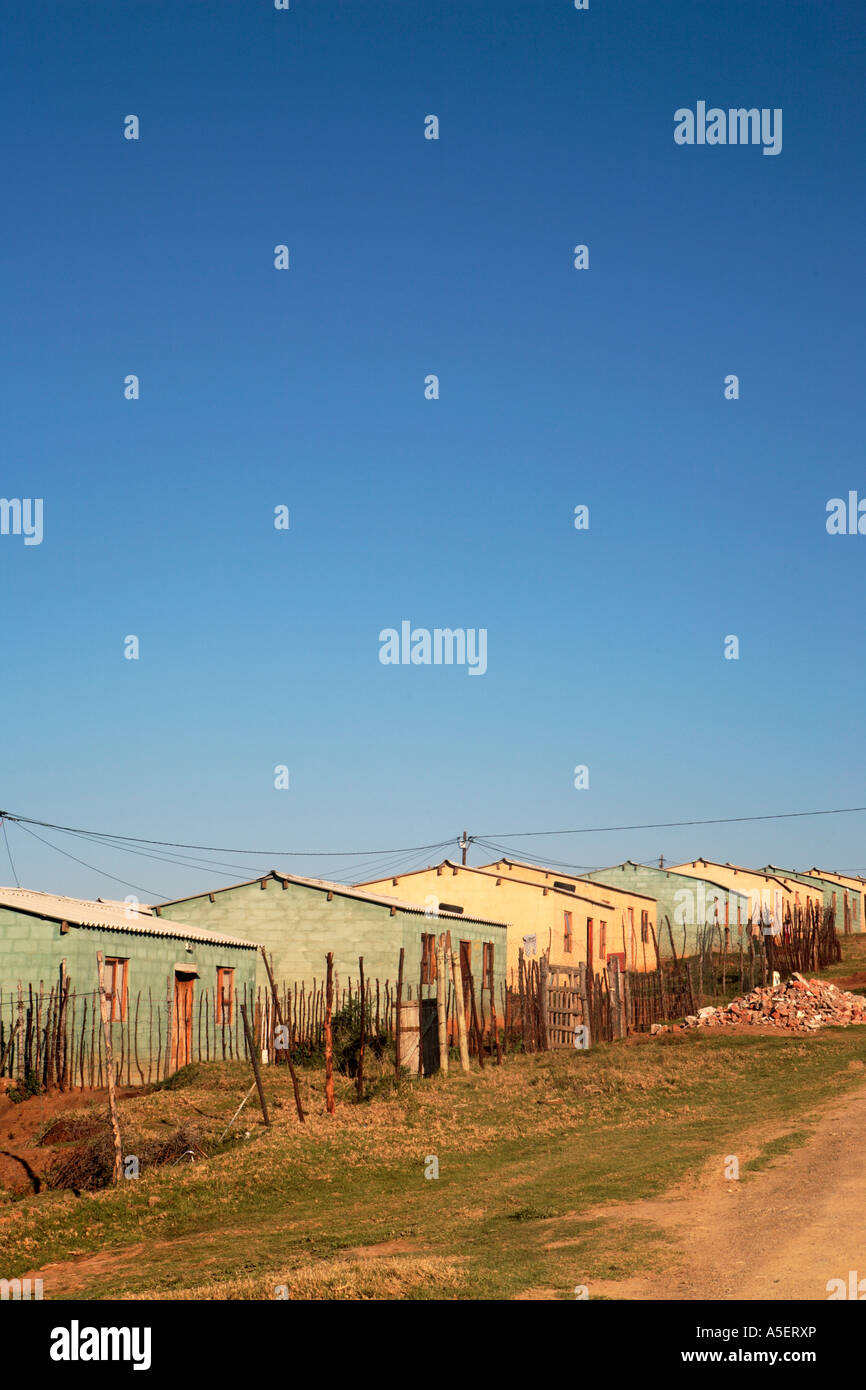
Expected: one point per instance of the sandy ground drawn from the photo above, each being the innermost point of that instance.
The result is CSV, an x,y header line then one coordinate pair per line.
x,y
781,1233
22,1166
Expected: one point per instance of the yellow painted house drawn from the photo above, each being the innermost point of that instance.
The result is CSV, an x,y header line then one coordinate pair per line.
x,y
850,904
569,923
631,933
770,896
543,920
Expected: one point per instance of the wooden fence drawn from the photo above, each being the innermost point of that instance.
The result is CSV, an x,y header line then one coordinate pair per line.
x,y
547,1005
52,1035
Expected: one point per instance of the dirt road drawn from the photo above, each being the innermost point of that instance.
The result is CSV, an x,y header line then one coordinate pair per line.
x,y
779,1233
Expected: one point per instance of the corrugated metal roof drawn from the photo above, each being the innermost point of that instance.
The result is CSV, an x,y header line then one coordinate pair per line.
x,y
124,917
341,890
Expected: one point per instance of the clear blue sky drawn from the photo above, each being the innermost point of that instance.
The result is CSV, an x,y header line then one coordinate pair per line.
x,y
605,387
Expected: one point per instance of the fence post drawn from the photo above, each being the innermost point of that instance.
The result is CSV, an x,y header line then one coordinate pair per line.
x,y
441,986
112,1093
542,992
459,1007
329,1037
584,1002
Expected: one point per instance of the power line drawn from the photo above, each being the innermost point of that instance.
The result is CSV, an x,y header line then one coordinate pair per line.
x,y
226,849
9,852
670,824
151,892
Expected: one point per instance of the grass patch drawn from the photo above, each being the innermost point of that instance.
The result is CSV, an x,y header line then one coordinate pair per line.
x,y
777,1148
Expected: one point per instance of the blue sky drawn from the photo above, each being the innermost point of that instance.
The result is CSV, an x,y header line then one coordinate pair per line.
x,y
306,388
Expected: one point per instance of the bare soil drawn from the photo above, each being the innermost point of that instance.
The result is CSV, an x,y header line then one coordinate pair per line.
x,y
24,1165
780,1233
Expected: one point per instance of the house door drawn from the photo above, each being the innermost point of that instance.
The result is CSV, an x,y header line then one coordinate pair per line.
x,y
184,986
429,1037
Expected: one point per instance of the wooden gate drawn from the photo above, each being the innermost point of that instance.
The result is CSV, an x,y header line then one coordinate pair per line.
x,y
564,1006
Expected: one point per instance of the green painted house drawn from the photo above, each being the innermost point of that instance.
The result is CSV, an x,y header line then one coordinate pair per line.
x,y
170,983
690,903
299,920
831,893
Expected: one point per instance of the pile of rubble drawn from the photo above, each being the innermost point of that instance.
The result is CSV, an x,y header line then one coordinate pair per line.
x,y
799,1006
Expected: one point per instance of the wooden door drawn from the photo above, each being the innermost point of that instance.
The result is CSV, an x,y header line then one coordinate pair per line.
x,y
184,987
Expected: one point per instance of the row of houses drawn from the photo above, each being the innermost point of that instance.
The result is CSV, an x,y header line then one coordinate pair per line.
x,y
208,944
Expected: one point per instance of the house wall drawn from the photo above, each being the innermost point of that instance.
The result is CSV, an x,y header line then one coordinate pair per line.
x,y
623,919
31,950
691,904
808,885
766,893
531,909
856,890
298,926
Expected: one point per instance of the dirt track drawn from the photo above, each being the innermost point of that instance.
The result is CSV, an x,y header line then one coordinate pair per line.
x,y
780,1233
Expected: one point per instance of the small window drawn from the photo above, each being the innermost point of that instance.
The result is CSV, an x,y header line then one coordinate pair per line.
x,y
450,907
565,887
428,959
644,924
225,995
567,938
631,918
117,986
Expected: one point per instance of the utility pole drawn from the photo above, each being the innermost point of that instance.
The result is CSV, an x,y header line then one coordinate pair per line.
x,y
464,845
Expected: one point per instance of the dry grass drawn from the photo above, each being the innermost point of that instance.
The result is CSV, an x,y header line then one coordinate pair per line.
x,y
389,1277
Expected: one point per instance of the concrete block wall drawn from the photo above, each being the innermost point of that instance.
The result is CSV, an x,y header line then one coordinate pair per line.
x,y
31,950
298,925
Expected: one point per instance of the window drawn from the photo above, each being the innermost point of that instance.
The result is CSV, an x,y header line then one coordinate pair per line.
x,y
644,924
450,907
225,994
117,986
566,933
428,959
564,887
631,918
602,939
